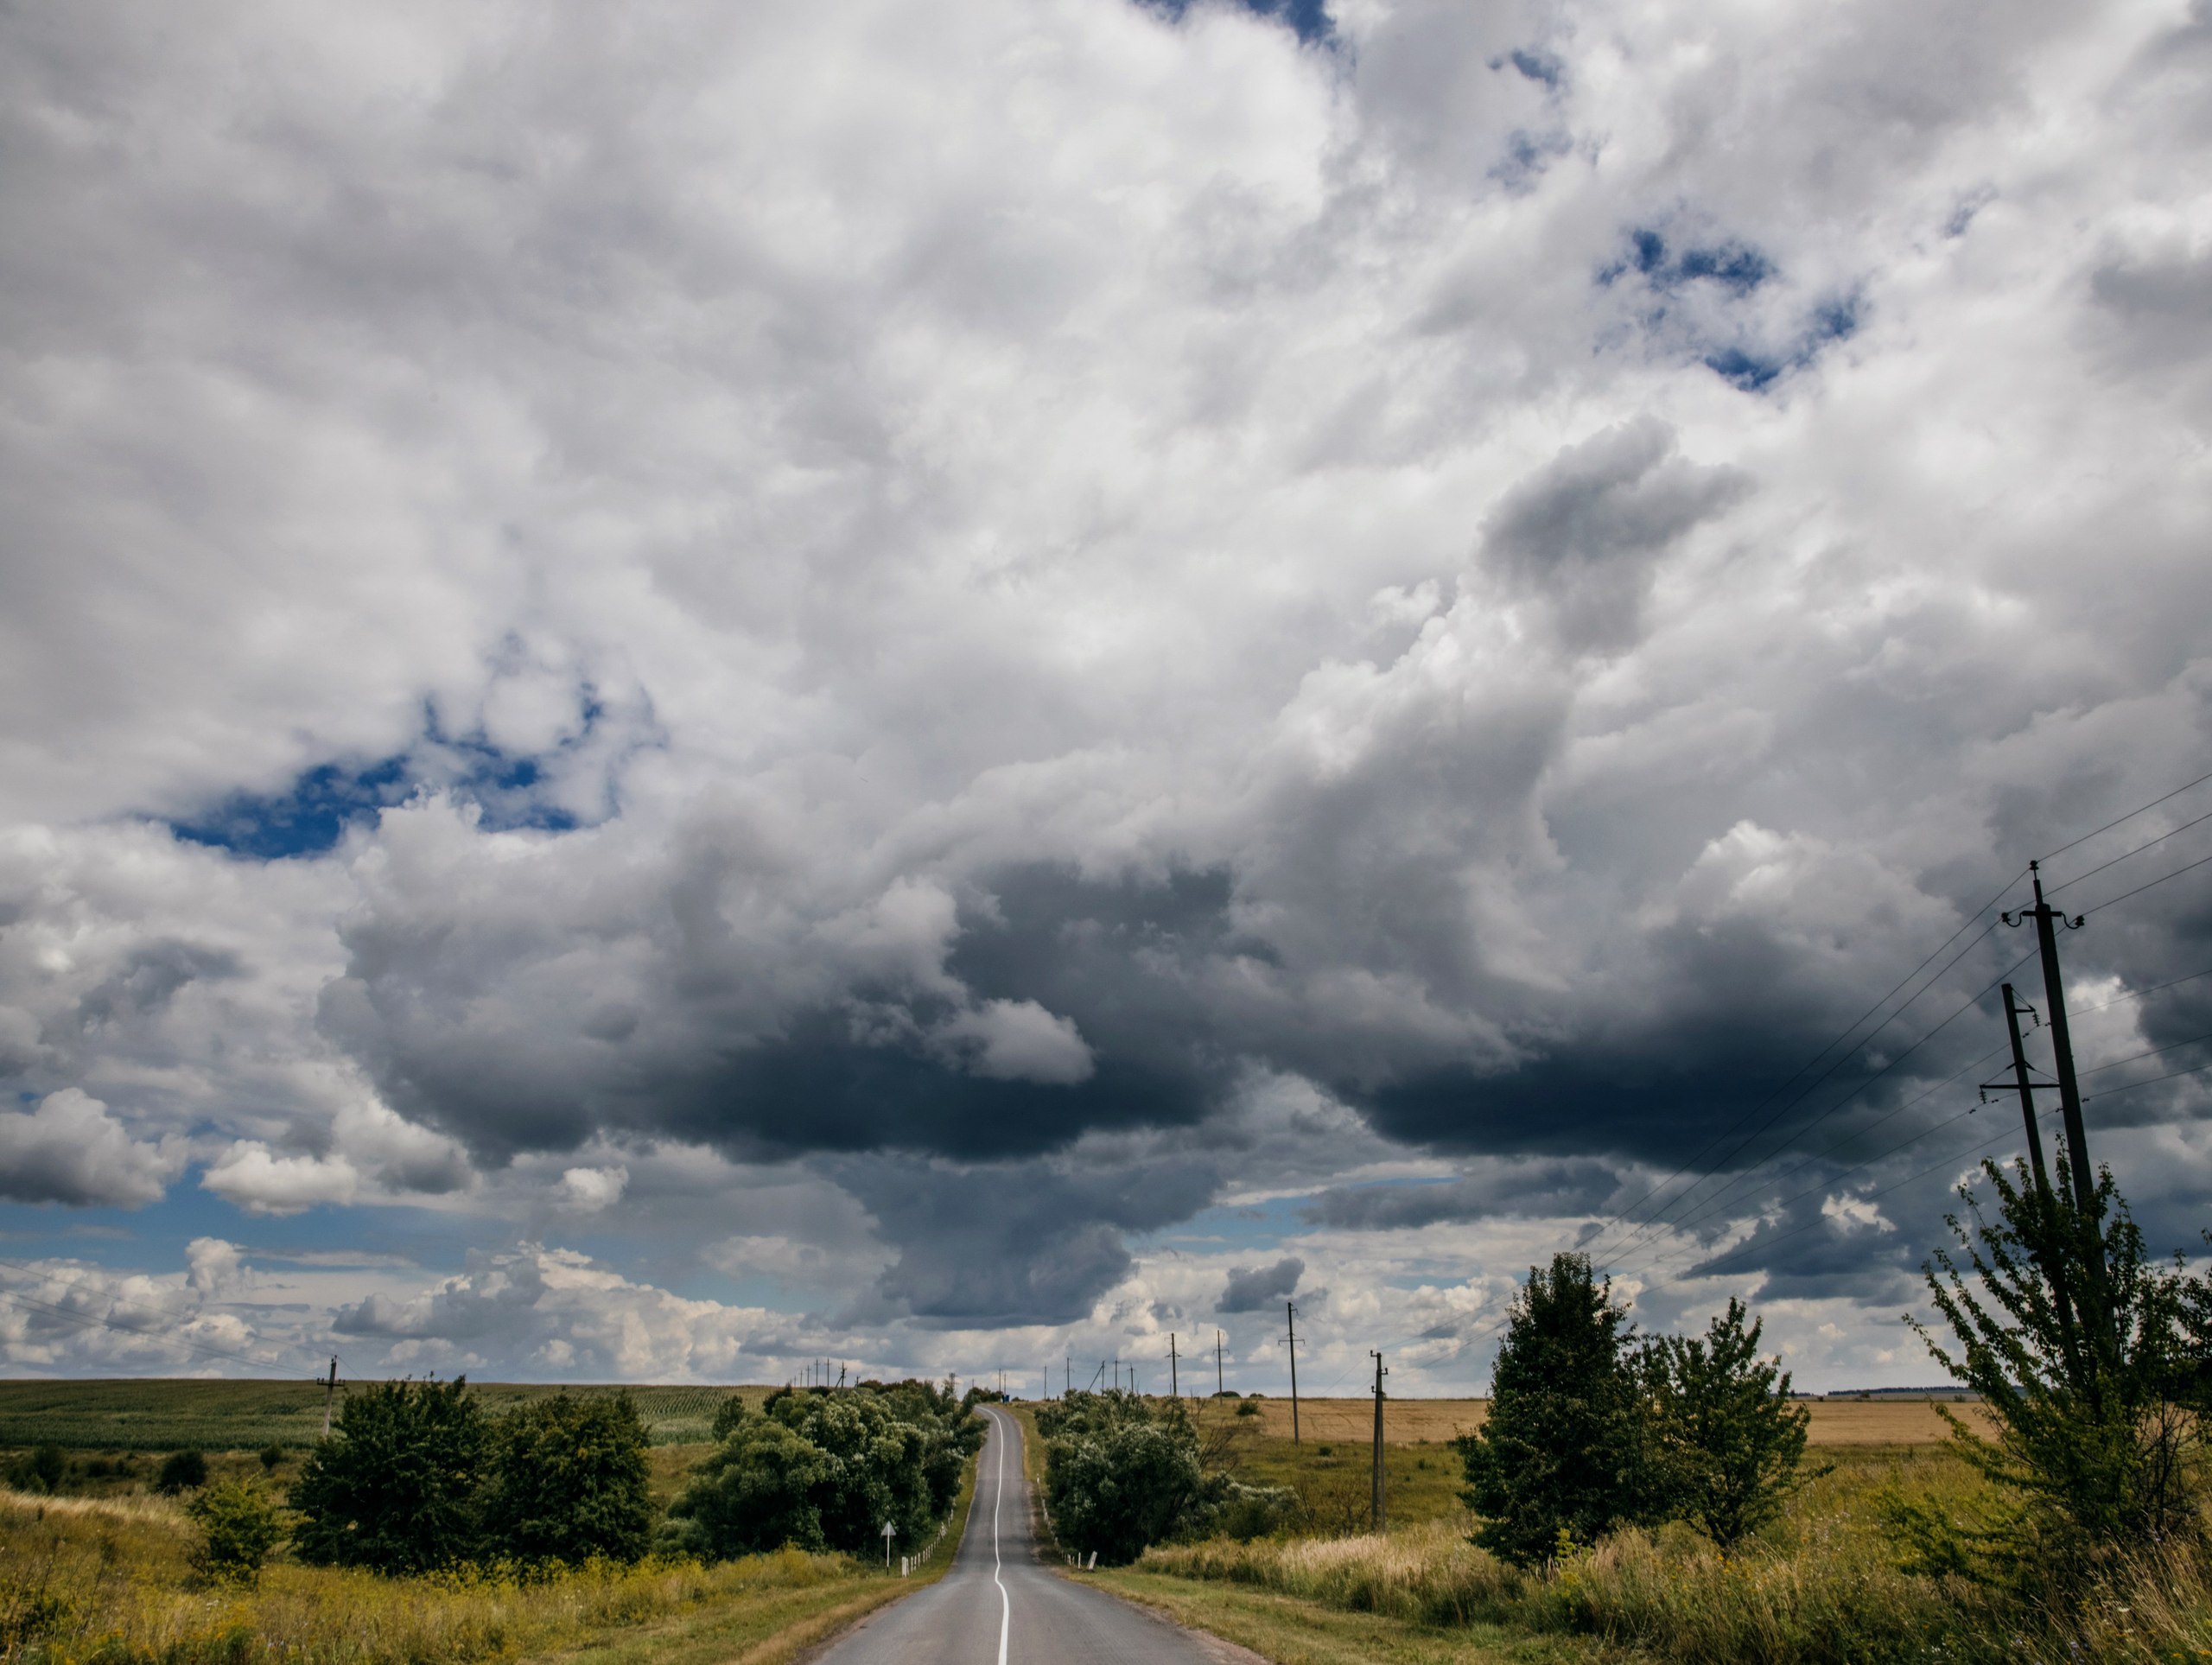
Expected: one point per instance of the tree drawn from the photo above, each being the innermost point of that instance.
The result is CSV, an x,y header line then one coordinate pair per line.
x,y
394,1489
238,1526
2083,1351
1564,1453
728,1416
182,1471
1120,1475
758,1490
570,1480
1727,1442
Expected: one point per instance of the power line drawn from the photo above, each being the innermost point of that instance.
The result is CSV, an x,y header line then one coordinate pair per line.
x,y
2149,1081
1622,1215
2129,816
2150,843
2135,1058
1970,1004
2140,889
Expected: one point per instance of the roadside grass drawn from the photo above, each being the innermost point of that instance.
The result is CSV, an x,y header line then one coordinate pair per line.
x,y
1291,1632
109,1580
1822,1587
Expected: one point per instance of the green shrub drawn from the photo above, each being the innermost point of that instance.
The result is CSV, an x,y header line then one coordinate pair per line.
x,y
272,1458
1728,1442
1563,1456
239,1526
759,1491
182,1471
1121,1474
571,1479
2081,1349
394,1488
729,1415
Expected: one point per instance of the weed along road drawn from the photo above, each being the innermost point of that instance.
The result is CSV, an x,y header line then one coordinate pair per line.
x,y
1001,1606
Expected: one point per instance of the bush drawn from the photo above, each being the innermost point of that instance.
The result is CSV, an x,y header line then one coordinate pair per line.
x,y
827,1469
394,1488
272,1458
239,1526
1728,1441
181,1470
1121,1474
759,1491
1247,1408
571,1479
1562,1457
2081,1349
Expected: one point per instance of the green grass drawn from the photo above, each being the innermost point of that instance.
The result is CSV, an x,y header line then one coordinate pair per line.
x,y
108,1580
163,1415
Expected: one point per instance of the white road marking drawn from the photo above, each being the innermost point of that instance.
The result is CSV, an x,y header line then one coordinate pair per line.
x,y
1006,1605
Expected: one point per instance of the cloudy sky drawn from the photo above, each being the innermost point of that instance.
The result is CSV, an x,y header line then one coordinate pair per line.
x,y
703,685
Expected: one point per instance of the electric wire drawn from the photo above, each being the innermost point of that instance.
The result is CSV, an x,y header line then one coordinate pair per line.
x,y
2151,844
2129,816
2140,889
2133,1057
2148,1080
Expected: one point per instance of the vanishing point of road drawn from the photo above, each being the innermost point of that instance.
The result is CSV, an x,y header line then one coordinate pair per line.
x,y
1001,1606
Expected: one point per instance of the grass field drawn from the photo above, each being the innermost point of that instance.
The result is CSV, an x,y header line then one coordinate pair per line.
x,y
1413,1421
108,1580
161,1415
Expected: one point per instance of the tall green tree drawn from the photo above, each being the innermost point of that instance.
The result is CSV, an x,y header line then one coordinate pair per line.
x,y
1121,1474
759,1489
2081,1349
1564,1453
394,1489
1727,1443
571,1479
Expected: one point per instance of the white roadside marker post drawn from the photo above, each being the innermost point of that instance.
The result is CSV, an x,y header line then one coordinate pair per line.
x,y
888,1529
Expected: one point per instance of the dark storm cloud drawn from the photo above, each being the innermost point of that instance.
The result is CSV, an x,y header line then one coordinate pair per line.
x,y
1544,1188
999,1245
1257,1288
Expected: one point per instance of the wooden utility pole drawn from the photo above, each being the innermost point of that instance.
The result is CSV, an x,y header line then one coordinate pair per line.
x,y
1217,1388
1174,1384
329,1396
1290,1308
2026,1089
1376,1508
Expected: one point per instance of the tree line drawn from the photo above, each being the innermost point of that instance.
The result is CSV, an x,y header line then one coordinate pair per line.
x,y
416,1477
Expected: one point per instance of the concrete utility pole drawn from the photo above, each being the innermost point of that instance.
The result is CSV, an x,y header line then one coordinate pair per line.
x,y
1174,1387
1218,1388
1291,1309
2047,919
329,1394
1379,1521
2013,1007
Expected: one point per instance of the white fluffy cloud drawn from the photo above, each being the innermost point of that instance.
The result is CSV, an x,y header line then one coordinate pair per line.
x,y
70,1150
825,603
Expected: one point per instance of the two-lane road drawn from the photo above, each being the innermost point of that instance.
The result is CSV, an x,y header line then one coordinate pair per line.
x,y
999,1603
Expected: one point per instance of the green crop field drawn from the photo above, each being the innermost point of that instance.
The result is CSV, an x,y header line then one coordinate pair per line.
x,y
163,1415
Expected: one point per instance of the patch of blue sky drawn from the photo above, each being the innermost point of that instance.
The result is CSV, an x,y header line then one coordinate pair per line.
x,y
1308,19
1735,267
1246,1228
309,815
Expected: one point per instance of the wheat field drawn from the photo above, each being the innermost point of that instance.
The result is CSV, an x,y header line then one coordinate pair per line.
x,y
1413,1421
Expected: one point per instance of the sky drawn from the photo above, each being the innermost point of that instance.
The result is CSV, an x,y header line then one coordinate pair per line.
x,y
689,688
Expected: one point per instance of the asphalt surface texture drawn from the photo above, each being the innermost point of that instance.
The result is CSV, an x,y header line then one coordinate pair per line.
x,y
1001,1606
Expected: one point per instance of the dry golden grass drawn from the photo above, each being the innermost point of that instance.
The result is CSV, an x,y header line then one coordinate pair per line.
x,y
1410,1422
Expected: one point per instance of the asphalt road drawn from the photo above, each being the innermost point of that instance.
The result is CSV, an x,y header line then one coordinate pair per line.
x,y
1000,1605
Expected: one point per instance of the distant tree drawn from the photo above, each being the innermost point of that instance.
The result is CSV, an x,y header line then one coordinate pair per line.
x,y
181,1470
729,1414
239,1526
2090,1359
1728,1443
759,1490
394,1489
272,1458
571,1479
1565,1453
